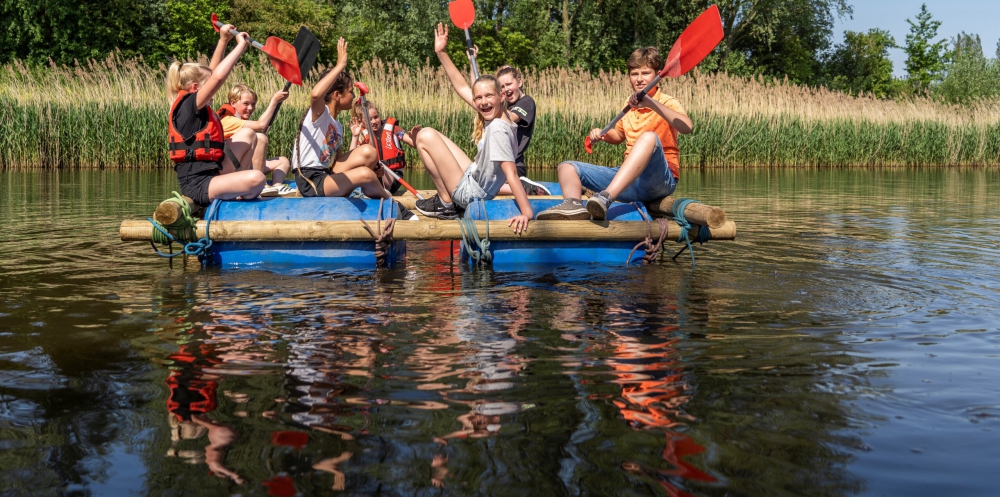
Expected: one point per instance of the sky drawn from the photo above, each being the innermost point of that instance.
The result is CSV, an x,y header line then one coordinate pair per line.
x,y
980,17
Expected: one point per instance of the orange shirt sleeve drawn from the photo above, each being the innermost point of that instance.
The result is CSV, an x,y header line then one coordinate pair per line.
x,y
230,125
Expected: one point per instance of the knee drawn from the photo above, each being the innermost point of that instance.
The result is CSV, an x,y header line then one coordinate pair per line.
x,y
565,167
425,134
284,164
261,139
647,137
367,175
255,179
245,135
367,153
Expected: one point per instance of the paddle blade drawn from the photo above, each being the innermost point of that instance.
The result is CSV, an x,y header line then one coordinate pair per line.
x,y
307,47
215,22
462,13
284,59
694,44
587,145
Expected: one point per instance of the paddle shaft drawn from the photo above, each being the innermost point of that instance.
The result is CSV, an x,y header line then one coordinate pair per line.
x,y
253,42
378,149
472,55
288,86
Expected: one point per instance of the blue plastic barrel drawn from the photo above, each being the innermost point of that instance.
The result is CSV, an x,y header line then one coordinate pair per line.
x,y
354,254
527,253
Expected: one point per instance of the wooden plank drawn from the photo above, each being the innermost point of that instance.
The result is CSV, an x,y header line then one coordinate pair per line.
x,y
266,231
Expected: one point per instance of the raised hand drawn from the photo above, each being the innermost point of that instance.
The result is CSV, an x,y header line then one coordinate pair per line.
x,y
596,135
279,97
440,38
356,127
226,32
341,53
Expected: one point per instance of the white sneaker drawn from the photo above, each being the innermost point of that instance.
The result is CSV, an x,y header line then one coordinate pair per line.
x,y
271,190
287,191
533,187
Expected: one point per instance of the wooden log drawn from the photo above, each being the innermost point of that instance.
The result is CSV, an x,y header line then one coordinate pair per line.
x,y
342,231
170,211
705,215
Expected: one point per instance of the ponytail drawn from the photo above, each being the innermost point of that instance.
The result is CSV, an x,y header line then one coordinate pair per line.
x,y
180,76
480,125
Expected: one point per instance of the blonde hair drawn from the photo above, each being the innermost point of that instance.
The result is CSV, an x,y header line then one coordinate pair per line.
x,y
238,91
180,76
480,124
356,109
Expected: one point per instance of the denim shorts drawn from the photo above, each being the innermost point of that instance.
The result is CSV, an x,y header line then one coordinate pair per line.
x,y
655,182
467,191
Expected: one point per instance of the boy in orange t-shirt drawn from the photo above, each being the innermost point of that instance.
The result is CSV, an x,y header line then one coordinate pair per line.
x,y
651,167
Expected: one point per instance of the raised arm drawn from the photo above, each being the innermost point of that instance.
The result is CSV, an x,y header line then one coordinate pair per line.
x,y
260,125
454,75
225,34
221,71
317,97
681,122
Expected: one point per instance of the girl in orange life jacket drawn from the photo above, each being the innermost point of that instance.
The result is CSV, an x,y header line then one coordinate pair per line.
x,y
322,171
458,179
204,171
390,139
235,118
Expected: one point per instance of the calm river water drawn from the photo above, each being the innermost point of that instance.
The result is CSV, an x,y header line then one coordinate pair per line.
x,y
847,343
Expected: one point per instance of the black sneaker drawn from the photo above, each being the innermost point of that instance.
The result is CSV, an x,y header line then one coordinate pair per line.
x,y
569,210
533,188
598,205
433,207
407,215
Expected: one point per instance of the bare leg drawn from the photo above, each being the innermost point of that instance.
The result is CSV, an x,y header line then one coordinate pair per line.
x,y
443,160
278,167
365,156
634,164
247,184
342,184
260,152
242,144
569,181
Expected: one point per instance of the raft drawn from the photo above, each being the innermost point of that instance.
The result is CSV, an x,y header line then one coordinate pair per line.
x,y
319,232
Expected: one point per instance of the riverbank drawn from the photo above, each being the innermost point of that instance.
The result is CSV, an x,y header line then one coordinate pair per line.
x,y
112,114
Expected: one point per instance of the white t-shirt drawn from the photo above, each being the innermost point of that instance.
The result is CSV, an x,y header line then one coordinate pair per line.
x,y
497,145
319,141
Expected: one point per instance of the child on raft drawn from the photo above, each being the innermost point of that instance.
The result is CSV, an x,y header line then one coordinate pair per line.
x,y
205,170
522,113
458,179
237,127
322,171
391,136
651,167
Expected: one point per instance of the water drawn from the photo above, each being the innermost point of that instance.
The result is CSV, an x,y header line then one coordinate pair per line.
x,y
847,343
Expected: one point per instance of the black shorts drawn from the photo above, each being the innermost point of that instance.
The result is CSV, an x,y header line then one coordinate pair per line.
x,y
317,176
195,185
522,168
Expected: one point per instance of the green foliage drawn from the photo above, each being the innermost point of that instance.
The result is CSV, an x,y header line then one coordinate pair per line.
x,y
925,58
969,76
861,64
186,28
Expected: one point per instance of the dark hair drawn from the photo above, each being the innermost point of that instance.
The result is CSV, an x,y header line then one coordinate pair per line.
x,y
504,70
343,83
646,56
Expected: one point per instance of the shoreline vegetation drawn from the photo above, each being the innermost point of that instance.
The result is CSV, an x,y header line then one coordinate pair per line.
x,y
112,114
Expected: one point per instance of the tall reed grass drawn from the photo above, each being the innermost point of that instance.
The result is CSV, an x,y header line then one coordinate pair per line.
x,y
113,113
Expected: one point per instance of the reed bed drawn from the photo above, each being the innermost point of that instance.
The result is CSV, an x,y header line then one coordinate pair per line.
x,y
112,114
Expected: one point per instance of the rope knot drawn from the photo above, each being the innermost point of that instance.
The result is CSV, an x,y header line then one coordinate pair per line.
x,y
383,237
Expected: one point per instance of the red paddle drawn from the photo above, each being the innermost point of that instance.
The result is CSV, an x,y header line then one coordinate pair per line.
x,y
694,44
282,54
363,90
462,13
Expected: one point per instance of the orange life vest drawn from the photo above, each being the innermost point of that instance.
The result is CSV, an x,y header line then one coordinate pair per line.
x,y
226,110
389,146
207,144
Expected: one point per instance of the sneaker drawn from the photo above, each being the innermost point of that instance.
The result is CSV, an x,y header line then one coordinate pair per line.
x,y
533,188
287,191
407,215
433,207
598,205
570,209
270,191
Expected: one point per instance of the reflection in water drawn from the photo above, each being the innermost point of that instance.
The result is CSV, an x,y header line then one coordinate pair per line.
x,y
779,366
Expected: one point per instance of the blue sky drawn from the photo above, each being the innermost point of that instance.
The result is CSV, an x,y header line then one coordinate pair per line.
x,y
980,17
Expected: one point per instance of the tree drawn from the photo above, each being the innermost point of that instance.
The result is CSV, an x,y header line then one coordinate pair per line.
x,y
925,58
778,37
968,76
861,63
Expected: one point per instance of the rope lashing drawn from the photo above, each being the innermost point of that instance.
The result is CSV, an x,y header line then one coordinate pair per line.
x,y
383,237
184,232
652,249
478,249
704,234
